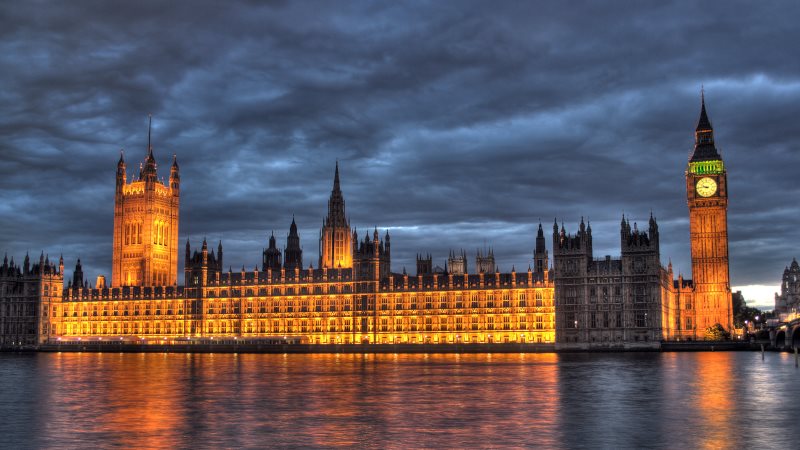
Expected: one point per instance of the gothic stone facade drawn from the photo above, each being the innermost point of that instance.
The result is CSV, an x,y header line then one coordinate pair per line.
x,y
610,302
145,251
353,296
28,298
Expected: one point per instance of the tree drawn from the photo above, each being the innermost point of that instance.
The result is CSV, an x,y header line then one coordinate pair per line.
x,y
717,332
742,312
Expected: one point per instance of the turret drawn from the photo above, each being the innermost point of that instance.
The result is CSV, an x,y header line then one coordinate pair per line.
x,y
484,263
293,253
121,175
271,258
653,229
540,256
174,176
457,263
424,264
640,242
77,275
581,243
219,256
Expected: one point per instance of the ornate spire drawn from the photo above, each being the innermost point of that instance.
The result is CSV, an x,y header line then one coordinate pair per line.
x,y
336,216
336,177
148,171
149,130
704,148
703,124
293,253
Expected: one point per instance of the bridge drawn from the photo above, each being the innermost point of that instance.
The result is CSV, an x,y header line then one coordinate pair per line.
x,y
786,335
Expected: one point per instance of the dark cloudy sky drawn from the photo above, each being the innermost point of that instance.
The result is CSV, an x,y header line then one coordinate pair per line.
x,y
456,124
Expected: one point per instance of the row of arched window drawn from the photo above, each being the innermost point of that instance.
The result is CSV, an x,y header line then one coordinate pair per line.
x,y
133,233
160,233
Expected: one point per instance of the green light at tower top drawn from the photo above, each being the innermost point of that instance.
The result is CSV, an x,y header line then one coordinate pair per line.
x,y
706,167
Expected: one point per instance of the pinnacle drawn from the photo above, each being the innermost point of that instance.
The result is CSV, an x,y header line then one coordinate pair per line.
x,y
703,124
336,177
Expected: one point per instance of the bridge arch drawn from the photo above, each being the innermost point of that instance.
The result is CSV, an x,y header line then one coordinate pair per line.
x,y
796,337
780,339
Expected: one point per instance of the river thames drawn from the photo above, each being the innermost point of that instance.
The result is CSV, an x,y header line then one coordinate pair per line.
x,y
623,400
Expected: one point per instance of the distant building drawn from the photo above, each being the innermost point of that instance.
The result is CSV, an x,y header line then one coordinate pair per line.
x,y
788,301
457,263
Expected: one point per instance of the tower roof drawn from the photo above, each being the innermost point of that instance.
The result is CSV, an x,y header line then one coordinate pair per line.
x,y
704,148
703,124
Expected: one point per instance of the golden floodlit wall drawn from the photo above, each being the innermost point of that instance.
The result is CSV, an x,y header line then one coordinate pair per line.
x,y
146,213
320,307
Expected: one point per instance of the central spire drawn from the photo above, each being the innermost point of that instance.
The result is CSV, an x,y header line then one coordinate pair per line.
x,y
336,216
336,178
335,242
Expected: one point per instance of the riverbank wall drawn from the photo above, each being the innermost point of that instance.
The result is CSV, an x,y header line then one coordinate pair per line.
x,y
112,347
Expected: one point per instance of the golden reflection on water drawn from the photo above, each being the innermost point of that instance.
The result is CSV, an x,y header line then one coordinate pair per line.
x,y
698,400
123,399
715,399
161,400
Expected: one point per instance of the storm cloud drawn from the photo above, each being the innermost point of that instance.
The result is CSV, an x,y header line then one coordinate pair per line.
x,y
456,124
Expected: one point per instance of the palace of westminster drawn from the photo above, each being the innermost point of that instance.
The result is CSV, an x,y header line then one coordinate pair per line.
x,y
354,297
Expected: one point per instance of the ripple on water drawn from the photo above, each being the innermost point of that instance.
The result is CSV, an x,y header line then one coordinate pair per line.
x,y
669,400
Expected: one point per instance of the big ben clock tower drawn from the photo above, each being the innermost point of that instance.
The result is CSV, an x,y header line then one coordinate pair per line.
x,y
707,193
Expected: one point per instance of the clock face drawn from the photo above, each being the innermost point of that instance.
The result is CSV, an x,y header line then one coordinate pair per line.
x,y
706,187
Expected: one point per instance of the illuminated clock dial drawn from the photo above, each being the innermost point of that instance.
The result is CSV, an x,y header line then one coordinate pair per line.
x,y
706,187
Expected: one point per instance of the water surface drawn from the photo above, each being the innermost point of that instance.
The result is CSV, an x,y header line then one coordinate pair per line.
x,y
667,400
